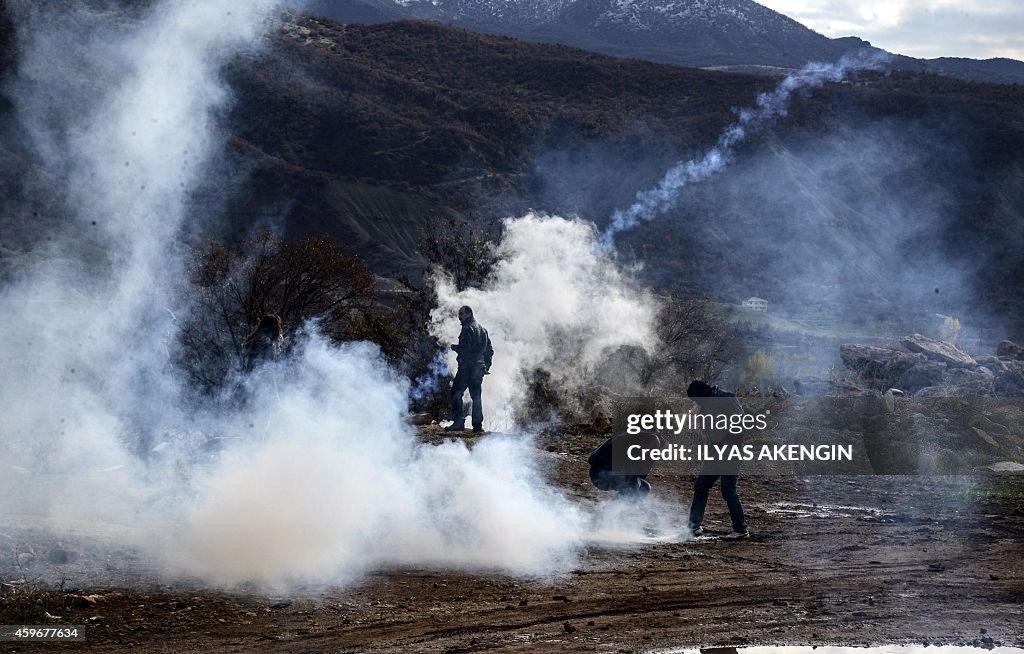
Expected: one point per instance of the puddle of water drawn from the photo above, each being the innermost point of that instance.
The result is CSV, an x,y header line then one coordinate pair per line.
x,y
824,510
885,649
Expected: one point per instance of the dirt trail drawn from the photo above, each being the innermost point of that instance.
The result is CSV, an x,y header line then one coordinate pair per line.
x,y
878,560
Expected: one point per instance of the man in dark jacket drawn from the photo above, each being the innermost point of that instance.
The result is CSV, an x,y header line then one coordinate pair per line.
x,y
602,465
716,401
475,354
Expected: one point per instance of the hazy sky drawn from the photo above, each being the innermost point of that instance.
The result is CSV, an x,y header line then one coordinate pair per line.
x,y
919,28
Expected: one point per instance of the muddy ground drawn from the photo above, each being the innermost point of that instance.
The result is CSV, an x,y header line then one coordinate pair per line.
x,y
832,560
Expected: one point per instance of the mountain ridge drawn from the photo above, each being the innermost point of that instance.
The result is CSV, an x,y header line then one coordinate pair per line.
x,y
720,34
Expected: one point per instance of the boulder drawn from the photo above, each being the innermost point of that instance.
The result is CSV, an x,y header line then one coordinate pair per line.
x,y
1007,467
938,350
1010,380
985,437
924,373
995,364
419,419
980,378
878,362
1010,350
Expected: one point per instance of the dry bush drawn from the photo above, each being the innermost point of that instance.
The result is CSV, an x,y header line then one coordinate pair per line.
x,y
299,280
464,251
694,341
468,255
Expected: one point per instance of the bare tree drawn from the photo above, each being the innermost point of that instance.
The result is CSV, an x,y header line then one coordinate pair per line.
x,y
697,341
237,285
465,252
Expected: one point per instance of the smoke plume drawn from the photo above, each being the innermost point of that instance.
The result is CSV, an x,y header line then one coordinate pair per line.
x,y
772,104
555,300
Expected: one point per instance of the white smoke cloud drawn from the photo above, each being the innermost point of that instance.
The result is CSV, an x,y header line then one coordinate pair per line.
x,y
341,487
652,202
556,299
318,479
127,117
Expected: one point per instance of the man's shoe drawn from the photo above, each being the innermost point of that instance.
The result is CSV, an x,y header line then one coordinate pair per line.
x,y
736,535
698,532
478,430
455,427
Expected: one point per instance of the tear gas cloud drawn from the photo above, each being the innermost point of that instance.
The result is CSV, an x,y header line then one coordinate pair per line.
x,y
555,300
317,479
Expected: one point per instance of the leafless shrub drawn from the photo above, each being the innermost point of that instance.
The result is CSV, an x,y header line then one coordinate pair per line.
x,y
298,280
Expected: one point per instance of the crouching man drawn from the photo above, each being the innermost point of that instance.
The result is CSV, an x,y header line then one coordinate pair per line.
x,y
629,480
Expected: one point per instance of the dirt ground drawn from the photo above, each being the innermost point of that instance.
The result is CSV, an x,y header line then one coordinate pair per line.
x,y
832,560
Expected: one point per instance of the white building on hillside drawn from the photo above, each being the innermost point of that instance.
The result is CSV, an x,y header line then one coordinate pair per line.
x,y
755,304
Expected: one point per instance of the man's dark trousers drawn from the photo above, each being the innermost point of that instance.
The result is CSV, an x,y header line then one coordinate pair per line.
x,y
702,488
470,379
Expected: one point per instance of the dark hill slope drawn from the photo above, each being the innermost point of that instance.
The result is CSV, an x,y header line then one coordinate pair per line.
x,y
439,119
489,126
369,131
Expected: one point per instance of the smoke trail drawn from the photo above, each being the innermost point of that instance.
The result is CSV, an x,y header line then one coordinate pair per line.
x,y
596,307
770,105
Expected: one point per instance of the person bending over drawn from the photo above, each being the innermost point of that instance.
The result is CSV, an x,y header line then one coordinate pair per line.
x,y
631,481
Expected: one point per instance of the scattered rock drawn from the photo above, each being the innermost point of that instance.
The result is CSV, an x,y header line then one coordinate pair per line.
x,y
26,559
922,374
904,370
938,350
964,376
984,436
524,602
560,598
995,364
281,605
1010,380
1010,350
568,628
1011,467
82,601
877,362
419,419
